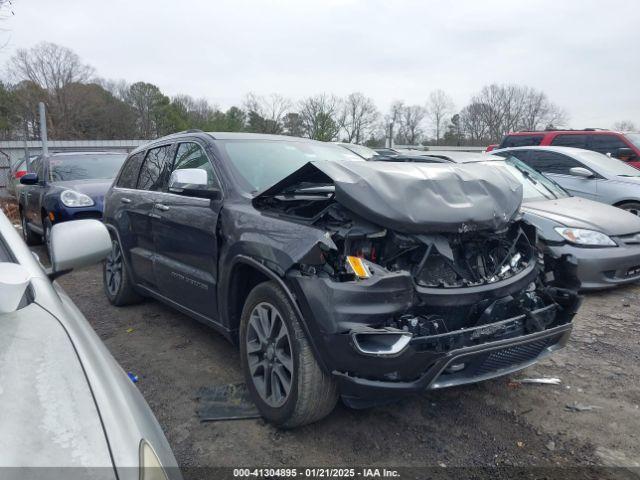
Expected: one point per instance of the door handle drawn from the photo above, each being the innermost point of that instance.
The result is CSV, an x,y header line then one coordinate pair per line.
x,y
162,207
125,200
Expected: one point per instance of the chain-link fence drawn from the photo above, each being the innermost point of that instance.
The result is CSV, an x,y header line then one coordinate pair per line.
x,y
5,173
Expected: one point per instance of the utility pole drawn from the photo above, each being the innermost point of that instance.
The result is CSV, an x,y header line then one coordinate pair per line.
x,y
43,128
26,148
390,134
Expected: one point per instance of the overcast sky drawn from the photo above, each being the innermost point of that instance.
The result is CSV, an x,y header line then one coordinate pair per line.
x,y
582,53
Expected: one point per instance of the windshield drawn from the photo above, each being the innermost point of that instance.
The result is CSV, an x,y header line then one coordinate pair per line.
x,y
262,163
535,186
633,138
84,167
365,152
610,166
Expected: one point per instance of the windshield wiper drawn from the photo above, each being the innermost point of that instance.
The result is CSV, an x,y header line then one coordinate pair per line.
x,y
536,183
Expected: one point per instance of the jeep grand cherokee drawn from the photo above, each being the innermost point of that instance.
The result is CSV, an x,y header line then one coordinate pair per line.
x,y
336,276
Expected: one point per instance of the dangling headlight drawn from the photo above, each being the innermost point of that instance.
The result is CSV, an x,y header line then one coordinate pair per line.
x,y
71,198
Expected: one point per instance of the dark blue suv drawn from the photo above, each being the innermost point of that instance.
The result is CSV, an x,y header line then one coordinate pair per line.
x,y
336,276
62,187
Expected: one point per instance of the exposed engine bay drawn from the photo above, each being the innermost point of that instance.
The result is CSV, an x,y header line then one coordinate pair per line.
x,y
440,286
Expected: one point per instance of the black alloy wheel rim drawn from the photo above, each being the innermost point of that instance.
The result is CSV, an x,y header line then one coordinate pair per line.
x,y
269,354
113,270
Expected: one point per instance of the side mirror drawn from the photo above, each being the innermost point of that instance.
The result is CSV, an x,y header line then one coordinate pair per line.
x,y
29,179
192,182
76,244
581,172
625,152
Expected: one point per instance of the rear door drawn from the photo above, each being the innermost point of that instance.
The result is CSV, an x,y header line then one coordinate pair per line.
x,y
558,167
141,213
185,236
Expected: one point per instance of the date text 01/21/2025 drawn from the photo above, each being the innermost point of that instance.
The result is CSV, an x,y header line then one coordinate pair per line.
x,y
315,473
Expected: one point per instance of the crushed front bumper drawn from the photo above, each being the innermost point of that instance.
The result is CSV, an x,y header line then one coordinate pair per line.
x,y
472,364
597,268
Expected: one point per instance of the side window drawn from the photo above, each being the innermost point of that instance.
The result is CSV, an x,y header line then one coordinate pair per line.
x,y
191,155
607,144
551,162
129,174
569,140
34,165
155,169
521,141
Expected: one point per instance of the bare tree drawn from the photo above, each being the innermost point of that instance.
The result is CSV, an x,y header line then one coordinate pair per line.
x,y
625,126
439,108
359,117
52,68
320,117
411,121
473,123
506,108
266,114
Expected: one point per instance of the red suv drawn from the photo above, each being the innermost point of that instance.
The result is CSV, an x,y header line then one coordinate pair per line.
x,y
625,146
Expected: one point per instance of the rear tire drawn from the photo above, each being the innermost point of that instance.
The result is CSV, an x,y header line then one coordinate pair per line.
x,y
29,237
116,280
275,351
631,207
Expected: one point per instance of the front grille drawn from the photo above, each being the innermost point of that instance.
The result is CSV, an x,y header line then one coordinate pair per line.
x,y
87,215
515,355
485,363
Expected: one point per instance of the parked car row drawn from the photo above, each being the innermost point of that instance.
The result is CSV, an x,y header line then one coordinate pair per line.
x,y
340,271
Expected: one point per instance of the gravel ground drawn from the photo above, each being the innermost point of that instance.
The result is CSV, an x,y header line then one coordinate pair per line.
x,y
496,423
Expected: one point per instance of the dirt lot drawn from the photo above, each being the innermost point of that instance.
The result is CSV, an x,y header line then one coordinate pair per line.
x,y
496,423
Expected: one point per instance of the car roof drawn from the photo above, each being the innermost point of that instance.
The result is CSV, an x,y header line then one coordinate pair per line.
x,y
571,151
462,157
584,131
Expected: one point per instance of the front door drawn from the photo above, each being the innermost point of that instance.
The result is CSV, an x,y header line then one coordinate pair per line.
x,y
185,237
558,167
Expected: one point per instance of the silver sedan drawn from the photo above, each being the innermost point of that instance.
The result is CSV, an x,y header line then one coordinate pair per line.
x,y
587,244
585,173
64,401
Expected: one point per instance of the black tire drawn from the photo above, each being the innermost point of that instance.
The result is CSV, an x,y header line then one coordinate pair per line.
x,y
631,207
46,234
313,393
29,236
115,279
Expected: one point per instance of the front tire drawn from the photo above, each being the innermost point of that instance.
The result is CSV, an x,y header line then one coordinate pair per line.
x,y
30,238
631,207
287,385
116,280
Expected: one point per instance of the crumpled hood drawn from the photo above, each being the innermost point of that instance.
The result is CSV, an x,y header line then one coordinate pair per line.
x,y
95,188
413,197
579,212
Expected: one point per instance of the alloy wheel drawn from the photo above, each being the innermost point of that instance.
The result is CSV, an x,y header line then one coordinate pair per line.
x,y
269,354
113,269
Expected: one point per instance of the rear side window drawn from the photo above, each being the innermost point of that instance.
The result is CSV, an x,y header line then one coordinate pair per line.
x,y
551,162
577,141
607,144
155,169
511,141
129,175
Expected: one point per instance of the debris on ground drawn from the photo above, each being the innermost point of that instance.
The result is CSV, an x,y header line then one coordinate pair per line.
x,y
225,402
539,381
129,330
133,377
550,445
580,407
520,444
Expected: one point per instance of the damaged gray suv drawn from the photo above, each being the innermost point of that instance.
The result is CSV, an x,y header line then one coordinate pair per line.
x,y
335,276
